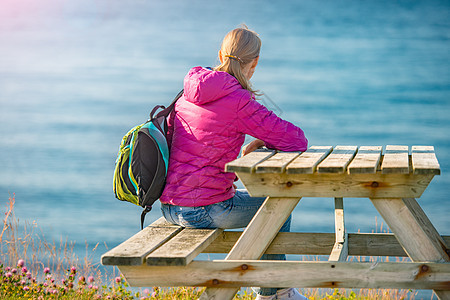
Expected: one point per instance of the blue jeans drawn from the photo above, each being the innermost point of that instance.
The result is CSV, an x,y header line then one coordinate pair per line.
x,y
236,212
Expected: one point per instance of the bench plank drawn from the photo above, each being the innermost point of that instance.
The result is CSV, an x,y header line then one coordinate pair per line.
x,y
307,162
183,248
366,160
338,160
424,160
276,163
134,250
248,162
395,160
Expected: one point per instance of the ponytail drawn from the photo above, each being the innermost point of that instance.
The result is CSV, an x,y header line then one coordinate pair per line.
x,y
239,48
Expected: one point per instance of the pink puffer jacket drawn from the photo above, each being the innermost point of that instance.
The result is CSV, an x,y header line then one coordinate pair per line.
x,y
208,128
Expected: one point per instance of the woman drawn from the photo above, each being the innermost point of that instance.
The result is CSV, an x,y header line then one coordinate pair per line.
x,y
207,130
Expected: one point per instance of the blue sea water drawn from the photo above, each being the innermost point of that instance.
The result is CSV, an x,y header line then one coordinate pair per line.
x,y
75,76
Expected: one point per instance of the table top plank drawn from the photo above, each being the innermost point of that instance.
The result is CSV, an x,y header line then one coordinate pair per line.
x,y
307,162
395,160
276,163
338,160
366,160
248,162
424,160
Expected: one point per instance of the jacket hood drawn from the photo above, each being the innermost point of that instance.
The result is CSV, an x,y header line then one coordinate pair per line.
x,y
203,85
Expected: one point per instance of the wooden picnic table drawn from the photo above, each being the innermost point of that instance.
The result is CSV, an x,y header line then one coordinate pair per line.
x,y
391,179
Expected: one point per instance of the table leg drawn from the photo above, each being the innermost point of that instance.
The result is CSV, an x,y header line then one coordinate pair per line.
x,y
414,231
340,248
256,238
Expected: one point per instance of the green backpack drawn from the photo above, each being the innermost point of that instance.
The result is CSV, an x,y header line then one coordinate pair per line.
x,y
142,161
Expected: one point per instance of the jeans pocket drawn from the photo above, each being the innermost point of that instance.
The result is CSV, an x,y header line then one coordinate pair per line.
x,y
193,217
165,209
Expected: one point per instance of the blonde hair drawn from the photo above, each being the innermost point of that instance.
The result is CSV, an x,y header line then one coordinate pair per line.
x,y
239,48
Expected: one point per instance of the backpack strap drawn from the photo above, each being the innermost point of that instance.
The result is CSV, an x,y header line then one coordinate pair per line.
x,y
144,212
163,113
155,109
166,110
180,93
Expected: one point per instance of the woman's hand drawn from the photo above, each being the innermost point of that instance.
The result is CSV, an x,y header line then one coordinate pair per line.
x,y
252,146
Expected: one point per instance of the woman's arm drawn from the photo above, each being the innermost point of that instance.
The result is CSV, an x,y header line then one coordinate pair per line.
x,y
256,120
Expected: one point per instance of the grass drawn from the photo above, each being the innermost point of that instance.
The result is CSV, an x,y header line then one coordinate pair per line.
x,y
33,268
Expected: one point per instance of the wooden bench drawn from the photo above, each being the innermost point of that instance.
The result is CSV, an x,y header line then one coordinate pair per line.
x,y
164,255
161,244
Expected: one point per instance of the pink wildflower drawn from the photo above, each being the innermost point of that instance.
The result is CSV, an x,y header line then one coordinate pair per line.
x,y
24,270
81,279
90,286
26,288
20,263
46,270
146,291
45,284
73,270
95,287
118,279
8,274
14,271
91,279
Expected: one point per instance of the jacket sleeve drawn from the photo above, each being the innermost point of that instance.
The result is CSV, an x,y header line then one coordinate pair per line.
x,y
256,120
